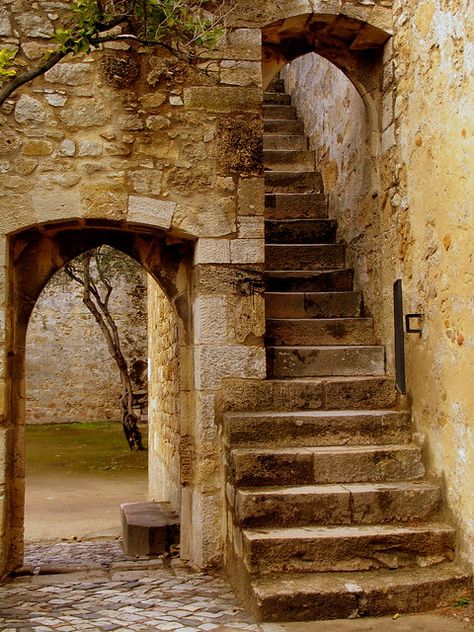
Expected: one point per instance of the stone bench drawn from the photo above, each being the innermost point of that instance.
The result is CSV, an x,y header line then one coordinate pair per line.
x,y
148,528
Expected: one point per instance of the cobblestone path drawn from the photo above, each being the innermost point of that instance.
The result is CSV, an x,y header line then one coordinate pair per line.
x,y
104,590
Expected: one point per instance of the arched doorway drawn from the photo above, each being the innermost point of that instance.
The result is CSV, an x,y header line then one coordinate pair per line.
x,y
35,255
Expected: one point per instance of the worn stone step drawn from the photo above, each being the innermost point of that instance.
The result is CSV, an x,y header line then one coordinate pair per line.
x,y
293,305
346,548
294,181
314,332
365,503
256,467
277,85
304,256
276,98
272,112
331,393
285,141
281,206
316,428
288,160
307,281
318,361
300,231
283,126
312,596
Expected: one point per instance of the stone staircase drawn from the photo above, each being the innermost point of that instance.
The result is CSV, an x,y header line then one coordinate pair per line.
x,y
331,513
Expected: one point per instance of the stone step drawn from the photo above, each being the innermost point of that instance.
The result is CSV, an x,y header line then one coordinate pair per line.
x,y
331,393
316,428
320,361
365,503
304,281
300,231
304,257
288,160
285,141
149,528
283,126
346,548
279,112
285,206
277,85
308,596
256,467
314,332
292,305
294,181
276,98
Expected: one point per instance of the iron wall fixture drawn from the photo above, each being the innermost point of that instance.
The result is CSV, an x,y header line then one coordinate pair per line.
x,y
413,330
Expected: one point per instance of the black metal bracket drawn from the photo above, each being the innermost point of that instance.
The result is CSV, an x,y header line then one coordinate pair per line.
x,y
408,328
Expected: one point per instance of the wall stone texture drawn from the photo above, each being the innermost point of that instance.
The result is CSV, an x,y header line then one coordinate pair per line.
x,y
70,375
127,146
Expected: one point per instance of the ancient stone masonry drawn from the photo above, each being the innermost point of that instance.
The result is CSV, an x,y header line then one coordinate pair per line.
x,y
164,162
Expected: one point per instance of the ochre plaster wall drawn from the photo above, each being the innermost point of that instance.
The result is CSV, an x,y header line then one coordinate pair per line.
x,y
434,79
70,374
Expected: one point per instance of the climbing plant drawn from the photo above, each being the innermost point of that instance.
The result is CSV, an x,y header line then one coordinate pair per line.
x,y
182,27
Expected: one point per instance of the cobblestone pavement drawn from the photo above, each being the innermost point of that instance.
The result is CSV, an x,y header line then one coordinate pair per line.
x,y
104,590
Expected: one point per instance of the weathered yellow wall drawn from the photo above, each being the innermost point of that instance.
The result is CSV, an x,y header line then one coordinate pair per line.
x,y
434,74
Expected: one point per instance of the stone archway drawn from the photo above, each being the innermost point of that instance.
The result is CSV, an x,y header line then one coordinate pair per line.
x,y
35,255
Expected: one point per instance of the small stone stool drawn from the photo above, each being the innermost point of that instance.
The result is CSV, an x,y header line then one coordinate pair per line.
x,y
148,528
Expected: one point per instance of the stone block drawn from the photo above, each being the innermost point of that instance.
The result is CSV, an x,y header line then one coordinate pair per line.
x,y
223,99
251,196
210,319
244,44
69,74
29,110
148,528
34,25
145,210
213,363
241,73
212,251
247,251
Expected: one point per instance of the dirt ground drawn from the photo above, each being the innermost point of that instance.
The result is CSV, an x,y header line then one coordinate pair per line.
x,y
77,476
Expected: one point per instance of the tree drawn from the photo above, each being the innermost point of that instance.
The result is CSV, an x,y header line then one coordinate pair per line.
x,y
94,271
182,27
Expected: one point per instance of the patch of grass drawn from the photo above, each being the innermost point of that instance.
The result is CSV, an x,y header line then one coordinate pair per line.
x,y
462,602
81,448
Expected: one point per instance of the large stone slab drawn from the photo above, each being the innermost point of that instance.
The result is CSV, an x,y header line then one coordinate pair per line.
x,y
148,528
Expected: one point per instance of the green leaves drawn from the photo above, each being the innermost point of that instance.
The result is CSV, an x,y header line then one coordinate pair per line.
x,y
6,61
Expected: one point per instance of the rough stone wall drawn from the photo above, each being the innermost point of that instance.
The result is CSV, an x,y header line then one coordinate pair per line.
x,y
434,203
70,375
336,124
164,406
141,140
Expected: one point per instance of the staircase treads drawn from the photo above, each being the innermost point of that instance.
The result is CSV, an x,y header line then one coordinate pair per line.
x,y
276,98
308,596
277,85
288,160
331,305
283,126
255,467
325,360
313,428
284,206
346,547
315,331
334,393
294,181
364,503
300,231
304,257
271,112
309,281
297,142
